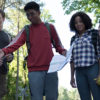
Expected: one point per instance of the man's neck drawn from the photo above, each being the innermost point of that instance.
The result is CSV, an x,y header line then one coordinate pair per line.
x,y
39,21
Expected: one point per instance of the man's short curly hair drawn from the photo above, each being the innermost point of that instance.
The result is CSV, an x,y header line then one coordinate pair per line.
x,y
85,19
32,5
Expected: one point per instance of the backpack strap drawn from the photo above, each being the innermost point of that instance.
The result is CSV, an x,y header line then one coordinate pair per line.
x,y
94,34
27,37
94,39
49,30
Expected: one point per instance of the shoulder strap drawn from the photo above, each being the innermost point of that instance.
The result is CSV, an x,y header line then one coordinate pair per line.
x,y
94,38
27,37
48,27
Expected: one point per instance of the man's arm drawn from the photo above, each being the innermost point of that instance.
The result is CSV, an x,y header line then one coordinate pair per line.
x,y
15,44
9,57
59,48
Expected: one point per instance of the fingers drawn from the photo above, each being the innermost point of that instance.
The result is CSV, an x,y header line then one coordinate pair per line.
x,y
73,84
9,57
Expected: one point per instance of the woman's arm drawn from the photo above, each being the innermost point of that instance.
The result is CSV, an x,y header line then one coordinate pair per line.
x,y
72,82
58,45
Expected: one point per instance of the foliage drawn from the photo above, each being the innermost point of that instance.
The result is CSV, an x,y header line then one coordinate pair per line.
x,y
46,17
65,94
91,6
10,3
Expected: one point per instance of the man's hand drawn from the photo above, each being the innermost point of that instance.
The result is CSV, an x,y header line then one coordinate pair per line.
x,y
1,54
9,57
64,53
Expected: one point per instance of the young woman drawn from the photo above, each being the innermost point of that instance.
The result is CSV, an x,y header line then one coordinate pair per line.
x,y
85,62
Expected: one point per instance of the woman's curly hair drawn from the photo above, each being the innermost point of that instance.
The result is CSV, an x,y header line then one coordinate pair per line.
x,y
85,19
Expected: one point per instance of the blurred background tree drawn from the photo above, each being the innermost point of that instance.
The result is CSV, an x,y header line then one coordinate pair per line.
x,y
65,94
90,6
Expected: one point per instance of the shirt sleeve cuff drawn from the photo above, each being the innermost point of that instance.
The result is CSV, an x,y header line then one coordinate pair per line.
x,y
61,50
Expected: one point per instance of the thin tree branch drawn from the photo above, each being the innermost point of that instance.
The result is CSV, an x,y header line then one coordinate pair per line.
x,y
11,4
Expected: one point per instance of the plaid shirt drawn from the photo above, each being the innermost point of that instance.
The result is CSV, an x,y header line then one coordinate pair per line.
x,y
83,54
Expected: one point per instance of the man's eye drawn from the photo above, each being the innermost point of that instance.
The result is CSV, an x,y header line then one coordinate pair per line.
x,y
30,14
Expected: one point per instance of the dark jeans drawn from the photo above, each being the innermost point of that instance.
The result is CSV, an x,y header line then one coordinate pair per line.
x,y
41,82
86,84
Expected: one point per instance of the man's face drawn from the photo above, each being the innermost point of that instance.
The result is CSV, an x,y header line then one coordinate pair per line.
x,y
33,16
1,21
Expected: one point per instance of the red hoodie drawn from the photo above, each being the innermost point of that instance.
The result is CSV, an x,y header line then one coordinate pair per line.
x,y
40,53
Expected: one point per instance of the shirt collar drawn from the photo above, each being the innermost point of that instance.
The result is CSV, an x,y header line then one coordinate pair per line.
x,y
85,34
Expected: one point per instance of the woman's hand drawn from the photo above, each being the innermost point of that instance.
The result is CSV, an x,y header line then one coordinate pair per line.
x,y
72,82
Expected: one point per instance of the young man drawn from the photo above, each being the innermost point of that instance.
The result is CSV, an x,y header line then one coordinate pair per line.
x,y
4,41
40,54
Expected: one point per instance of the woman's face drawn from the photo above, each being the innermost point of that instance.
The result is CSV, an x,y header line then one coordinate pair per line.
x,y
79,25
